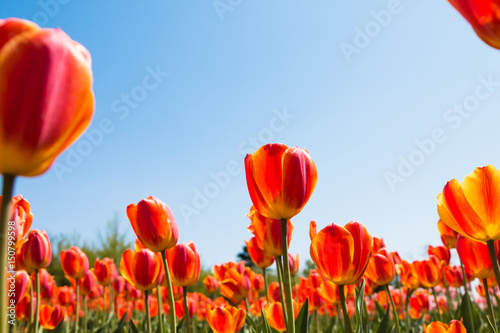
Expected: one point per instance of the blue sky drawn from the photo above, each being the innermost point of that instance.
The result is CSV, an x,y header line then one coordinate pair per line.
x,y
391,99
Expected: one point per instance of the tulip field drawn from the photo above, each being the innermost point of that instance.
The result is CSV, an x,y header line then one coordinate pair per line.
x,y
353,281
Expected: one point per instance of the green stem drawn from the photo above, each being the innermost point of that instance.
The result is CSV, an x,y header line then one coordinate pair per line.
x,y
407,305
279,269
394,310
84,298
160,308
468,313
148,315
7,187
490,305
347,320
448,299
37,309
32,314
77,312
437,304
339,320
265,284
171,303
316,314
187,320
494,260
286,278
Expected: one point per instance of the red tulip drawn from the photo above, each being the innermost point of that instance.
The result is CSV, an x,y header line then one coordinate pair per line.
x,y
275,318
46,98
429,272
455,326
154,224
256,254
74,262
448,235
105,271
35,250
184,264
381,269
476,257
87,283
141,269
18,285
50,316
294,264
235,285
280,180
442,252
225,319
342,253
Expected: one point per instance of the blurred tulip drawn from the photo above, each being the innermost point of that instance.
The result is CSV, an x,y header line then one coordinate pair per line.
x,y
40,119
483,17
141,269
211,284
455,326
235,286
294,264
267,233
18,285
378,243
448,235
87,283
105,271
154,224
74,262
225,319
280,180
330,292
184,264
419,304
256,254
275,318
453,276
408,277
476,258
342,253
23,308
381,267
50,316
472,208
21,216
440,251
66,296
118,285
429,272
35,250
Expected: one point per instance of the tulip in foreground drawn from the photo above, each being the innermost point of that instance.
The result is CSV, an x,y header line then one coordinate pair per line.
x,y
225,319
454,326
50,316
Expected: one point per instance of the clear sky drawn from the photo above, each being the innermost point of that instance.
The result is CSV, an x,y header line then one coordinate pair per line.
x,y
391,99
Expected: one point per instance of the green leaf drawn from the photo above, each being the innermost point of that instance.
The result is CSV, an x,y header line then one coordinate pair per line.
x,y
470,314
265,324
491,328
251,323
104,327
384,325
302,320
359,300
121,324
133,328
61,327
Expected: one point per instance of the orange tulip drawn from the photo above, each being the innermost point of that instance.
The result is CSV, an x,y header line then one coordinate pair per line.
x,y
50,316
419,303
472,208
21,216
35,250
483,17
154,224
74,262
66,296
275,318
46,98
455,326
192,307
23,308
476,257
342,253
119,285
225,319
453,276
381,269
267,233
105,271
184,264
330,292
378,243
280,180
448,235
408,278
235,286
141,269
442,252
256,254
429,272
211,284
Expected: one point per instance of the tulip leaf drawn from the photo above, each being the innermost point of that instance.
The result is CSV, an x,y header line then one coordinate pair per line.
x,y
359,300
491,327
384,324
470,314
133,328
61,327
121,323
251,323
265,324
302,320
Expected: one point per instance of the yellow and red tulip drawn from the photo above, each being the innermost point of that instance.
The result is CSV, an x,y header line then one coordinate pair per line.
x,y
429,272
258,257
454,326
448,235
141,269
50,316
74,262
476,257
381,269
267,233
225,319
184,264
35,251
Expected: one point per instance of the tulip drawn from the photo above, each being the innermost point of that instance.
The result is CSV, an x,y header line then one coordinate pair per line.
x,y
141,269
21,216
483,17
225,319
429,272
154,224
381,268
50,316
74,262
87,283
104,270
342,255
211,284
455,326
476,258
378,243
235,285
256,254
35,250
419,304
448,235
184,264
275,318
330,292
442,252
21,284
472,208
294,264
267,233
66,296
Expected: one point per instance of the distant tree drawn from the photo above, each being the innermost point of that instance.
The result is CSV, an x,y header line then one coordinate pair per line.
x,y
113,242
309,265
244,255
